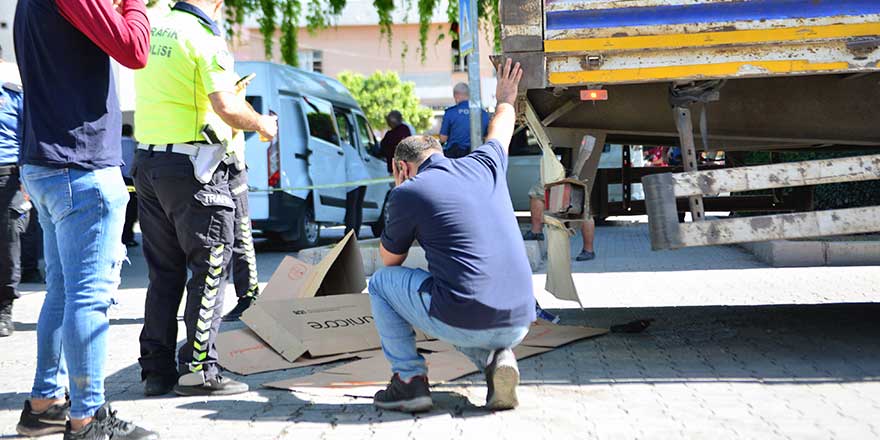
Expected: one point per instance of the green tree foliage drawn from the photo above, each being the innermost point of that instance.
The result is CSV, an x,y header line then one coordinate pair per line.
x,y
382,92
289,16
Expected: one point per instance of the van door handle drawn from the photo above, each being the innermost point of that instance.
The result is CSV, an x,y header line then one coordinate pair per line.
x,y
340,153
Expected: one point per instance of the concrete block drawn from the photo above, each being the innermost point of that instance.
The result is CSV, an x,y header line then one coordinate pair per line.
x,y
853,253
785,253
535,250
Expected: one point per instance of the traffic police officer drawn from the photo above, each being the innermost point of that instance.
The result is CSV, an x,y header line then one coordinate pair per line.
x,y
187,109
13,206
455,130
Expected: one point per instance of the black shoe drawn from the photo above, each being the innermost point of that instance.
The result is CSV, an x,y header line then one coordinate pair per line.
x,y
158,385
409,397
217,386
7,327
585,255
105,426
32,276
502,377
36,424
235,313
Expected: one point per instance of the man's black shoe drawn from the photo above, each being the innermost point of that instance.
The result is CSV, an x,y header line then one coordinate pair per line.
x,y
235,313
217,386
7,327
158,385
401,396
502,377
32,276
106,426
36,424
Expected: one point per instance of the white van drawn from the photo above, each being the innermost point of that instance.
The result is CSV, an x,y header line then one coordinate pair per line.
x,y
314,113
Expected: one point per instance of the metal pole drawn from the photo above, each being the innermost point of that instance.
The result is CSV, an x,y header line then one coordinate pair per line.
x,y
475,103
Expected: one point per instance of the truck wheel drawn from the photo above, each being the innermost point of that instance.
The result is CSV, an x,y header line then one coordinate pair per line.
x,y
309,231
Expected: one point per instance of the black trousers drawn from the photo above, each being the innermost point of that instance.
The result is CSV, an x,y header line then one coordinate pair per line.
x,y
32,243
13,222
456,151
354,209
185,225
244,258
131,215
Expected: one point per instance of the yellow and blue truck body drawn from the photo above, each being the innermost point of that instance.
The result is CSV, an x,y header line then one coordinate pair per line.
x,y
798,71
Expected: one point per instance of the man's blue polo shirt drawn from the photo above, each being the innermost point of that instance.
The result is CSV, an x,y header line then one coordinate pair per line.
x,y
457,126
460,212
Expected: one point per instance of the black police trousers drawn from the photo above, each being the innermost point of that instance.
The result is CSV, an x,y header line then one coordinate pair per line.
x,y
13,222
185,225
244,258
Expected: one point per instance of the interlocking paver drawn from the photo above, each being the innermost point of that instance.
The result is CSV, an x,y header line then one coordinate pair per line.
x,y
738,351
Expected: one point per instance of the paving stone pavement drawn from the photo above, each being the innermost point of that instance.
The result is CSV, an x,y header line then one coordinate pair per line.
x,y
737,351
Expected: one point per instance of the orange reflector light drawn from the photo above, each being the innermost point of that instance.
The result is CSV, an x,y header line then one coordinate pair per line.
x,y
594,95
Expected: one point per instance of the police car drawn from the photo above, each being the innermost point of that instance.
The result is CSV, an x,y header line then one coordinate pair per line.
x,y
315,114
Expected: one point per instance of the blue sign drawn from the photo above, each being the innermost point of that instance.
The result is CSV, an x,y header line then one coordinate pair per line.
x,y
465,28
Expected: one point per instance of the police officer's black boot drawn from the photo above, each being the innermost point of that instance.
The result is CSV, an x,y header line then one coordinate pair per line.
x,y
7,327
158,385
243,304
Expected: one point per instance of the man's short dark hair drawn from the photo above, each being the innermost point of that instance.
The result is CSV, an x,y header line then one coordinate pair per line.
x,y
394,114
415,148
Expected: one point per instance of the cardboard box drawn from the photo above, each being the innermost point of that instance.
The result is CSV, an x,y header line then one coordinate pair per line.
x,y
316,309
311,310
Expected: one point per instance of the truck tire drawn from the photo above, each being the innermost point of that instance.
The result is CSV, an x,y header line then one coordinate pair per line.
x,y
309,231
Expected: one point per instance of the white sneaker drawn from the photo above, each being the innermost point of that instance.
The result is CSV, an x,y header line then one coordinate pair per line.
x,y
502,377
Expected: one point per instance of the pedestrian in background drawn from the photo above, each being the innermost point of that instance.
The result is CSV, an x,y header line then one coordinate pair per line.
x,y
14,207
354,199
131,216
187,215
70,164
455,130
397,132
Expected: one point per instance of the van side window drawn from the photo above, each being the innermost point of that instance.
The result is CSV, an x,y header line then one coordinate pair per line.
x,y
345,130
367,140
320,117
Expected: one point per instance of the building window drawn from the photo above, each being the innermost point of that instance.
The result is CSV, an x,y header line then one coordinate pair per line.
x,y
311,60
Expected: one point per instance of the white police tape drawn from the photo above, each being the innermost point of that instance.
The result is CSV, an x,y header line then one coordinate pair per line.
x,y
355,183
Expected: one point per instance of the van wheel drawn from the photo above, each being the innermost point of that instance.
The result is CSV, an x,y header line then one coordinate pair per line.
x,y
378,227
309,231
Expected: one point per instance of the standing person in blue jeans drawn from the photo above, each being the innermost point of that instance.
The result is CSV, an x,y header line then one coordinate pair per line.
x,y
477,293
71,158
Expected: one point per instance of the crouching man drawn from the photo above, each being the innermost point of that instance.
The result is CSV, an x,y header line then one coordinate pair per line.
x,y
478,293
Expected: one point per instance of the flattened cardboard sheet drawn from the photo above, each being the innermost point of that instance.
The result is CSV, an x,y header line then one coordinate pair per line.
x,y
365,376
243,352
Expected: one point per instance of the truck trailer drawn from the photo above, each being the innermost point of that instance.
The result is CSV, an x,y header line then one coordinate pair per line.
x,y
708,75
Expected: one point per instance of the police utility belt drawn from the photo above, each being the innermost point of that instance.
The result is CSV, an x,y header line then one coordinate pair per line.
x,y
205,158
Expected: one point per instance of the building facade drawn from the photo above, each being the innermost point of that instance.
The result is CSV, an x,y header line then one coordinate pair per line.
x,y
355,43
